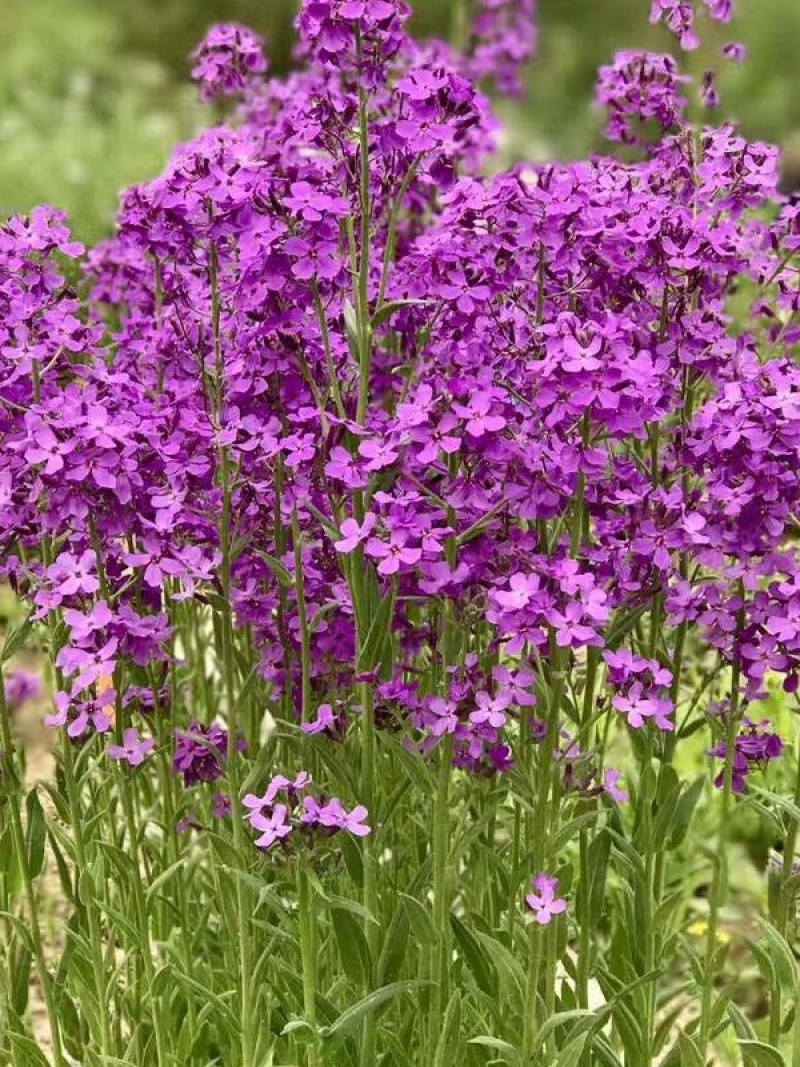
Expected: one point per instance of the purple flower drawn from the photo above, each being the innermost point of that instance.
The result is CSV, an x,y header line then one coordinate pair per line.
x,y
721,10
491,710
638,706
611,780
227,60
678,15
544,903
88,667
755,745
394,555
640,87
504,37
330,29
709,93
441,716
333,816
134,749
22,686
274,827
79,715
353,533
279,784
200,752
735,51
326,722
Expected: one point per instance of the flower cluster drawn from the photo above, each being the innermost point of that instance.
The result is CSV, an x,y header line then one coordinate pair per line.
x,y
504,36
22,686
227,61
755,745
201,752
299,811
640,87
679,17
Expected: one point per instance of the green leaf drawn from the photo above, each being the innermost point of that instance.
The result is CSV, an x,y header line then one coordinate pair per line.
x,y
351,329
741,1024
571,1054
351,854
225,1014
420,919
345,904
666,815
21,979
449,1035
509,972
70,1023
395,945
591,889
476,956
509,1053
379,633
571,829
27,1052
580,1016
21,929
388,309
10,864
226,853
15,639
685,811
352,945
277,568
757,1054
690,1053
781,955
353,1015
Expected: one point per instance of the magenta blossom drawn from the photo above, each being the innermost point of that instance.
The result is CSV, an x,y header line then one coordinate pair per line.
x,y
274,827
134,749
544,903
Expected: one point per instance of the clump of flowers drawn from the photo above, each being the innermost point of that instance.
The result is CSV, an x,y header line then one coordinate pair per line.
x,y
228,61
299,813
755,746
503,40
201,752
21,687
640,87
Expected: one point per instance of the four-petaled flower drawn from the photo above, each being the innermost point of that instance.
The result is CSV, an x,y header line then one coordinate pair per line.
x,y
134,749
544,902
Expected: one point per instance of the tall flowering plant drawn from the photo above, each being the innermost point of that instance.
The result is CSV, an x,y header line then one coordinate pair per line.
x,y
397,537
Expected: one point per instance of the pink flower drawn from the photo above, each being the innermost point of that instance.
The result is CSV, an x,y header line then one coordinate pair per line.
x,y
134,749
544,903
274,827
353,533
611,780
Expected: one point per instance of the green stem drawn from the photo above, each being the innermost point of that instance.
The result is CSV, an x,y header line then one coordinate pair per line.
x,y
308,950
302,616
88,899
719,880
540,842
785,904
441,898
8,770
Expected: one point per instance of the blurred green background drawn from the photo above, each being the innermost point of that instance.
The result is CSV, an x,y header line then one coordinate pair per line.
x,y
94,93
